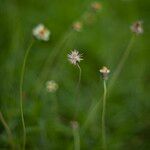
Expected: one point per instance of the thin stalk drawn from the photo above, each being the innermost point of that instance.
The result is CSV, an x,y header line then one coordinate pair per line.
x,y
103,116
75,126
92,113
21,92
77,91
122,62
76,136
113,79
79,79
7,130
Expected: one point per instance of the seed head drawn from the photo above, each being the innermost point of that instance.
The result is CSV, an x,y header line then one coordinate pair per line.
x,y
96,6
104,72
77,26
51,86
41,32
137,27
74,124
74,57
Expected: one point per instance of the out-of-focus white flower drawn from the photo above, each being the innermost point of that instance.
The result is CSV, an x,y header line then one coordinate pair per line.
x,y
77,26
41,32
74,57
51,86
74,124
137,27
104,72
96,6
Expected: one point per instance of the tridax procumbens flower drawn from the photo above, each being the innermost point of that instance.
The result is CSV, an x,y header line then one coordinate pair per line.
x,y
51,86
77,26
74,57
96,6
74,124
104,72
137,27
41,32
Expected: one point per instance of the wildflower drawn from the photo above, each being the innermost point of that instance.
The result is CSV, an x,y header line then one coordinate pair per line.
x,y
104,72
96,6
41,32
77,26
137,27
74,57
51,86
74,124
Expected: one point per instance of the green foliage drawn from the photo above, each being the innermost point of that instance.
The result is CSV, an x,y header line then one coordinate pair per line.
x,y
102,41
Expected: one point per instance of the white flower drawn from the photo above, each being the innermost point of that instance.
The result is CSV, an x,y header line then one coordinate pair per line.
x,y
137,27
51,86
74,124
77,26
74,57
41,32
96,6
104,72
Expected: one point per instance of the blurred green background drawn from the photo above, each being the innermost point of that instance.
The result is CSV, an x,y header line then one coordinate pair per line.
x,y
102,41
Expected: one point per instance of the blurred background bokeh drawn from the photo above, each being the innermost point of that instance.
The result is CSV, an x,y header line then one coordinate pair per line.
x,y
104,36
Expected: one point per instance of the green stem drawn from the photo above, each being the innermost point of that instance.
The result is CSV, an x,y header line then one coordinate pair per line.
x,y
21,92
122,62
76,136
103,116
77,92
7,130
113,79
79,79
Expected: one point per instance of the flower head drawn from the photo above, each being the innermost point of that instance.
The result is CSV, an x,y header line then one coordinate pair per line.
x,y
74,124
137,27
96,6
41,32
51,86
74,57
104,72
77,26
